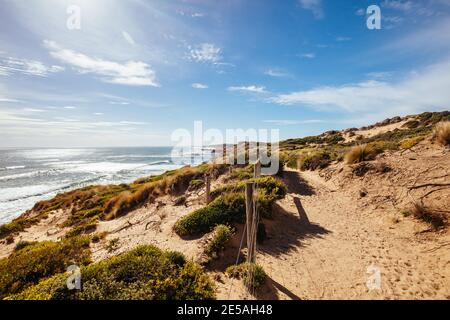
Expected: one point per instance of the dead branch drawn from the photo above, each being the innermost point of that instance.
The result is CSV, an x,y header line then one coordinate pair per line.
x,y
429,185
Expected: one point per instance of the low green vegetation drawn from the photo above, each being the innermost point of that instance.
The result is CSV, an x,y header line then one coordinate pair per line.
x,y
317,152
411,142
222,235
32,262
268,184
229,207
145,273
241,173
196,184
253,275
314,160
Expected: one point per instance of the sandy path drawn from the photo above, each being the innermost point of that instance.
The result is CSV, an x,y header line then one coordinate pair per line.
x,y
322,242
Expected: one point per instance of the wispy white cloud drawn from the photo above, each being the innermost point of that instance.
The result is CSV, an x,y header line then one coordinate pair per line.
x,y
398,5
309,55
122,103
315,6
70,107
133,73
278,73
199,86
342,39
206,52
34,110
424,90
9,100
251,89
379,75
128,38
12,65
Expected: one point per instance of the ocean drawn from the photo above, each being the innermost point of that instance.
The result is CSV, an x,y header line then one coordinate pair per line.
x,y
31,175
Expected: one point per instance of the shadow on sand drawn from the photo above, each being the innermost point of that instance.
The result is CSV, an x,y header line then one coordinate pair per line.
x,y
288,231
296,184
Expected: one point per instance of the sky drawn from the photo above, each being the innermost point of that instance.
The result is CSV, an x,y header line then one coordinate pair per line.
x,y
90,73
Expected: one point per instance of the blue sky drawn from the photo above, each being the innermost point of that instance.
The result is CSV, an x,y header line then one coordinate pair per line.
x,y
137,70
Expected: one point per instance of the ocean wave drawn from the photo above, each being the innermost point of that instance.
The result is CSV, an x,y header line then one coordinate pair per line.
x,y
12,168
21,193
139,156
29,174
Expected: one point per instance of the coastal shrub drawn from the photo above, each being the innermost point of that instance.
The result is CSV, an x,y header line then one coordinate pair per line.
x,y
334,138
222,235
9,239
87,228
268,184
16,225
432,118
196,184
359,154
382,146
229,207
238,173
99,237
290,159
314,161
112,245
144,273
22,244
442,133
35,261
411,142
412,124
398,135
226,209
253,275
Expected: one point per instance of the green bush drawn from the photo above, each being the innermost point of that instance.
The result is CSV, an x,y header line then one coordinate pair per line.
x,y
383,145
268,184
35,261
229,207
196,184
222,235
226,209
241,173
409,143
145,273
316,160
253,275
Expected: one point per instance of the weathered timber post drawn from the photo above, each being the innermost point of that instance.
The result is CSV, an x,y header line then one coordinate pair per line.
x,y
249,216
207,188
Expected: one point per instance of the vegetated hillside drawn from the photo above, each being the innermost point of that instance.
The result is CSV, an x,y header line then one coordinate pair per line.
x,y
346,199
402,162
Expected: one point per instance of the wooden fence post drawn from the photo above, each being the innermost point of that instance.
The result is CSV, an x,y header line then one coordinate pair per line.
x,y
207,189
249,216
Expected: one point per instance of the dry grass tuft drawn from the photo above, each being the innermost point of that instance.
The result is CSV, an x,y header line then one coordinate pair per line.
x,y
360,153
442,133
437,219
